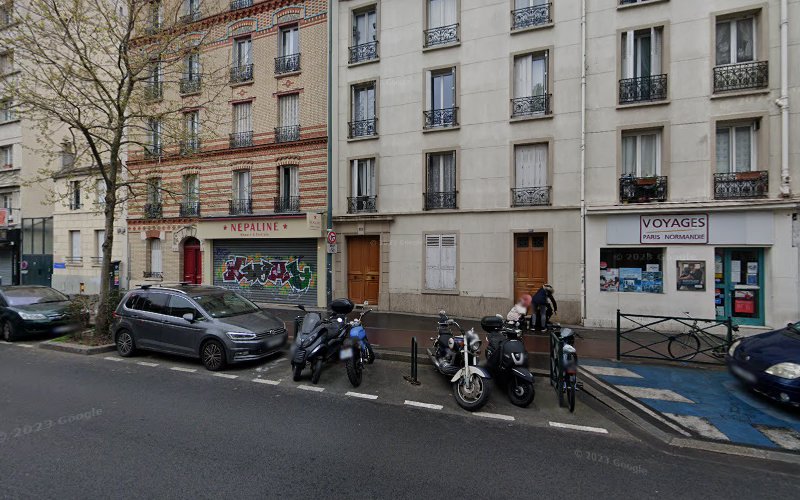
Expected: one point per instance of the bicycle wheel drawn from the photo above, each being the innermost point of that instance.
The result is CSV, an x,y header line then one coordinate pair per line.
x,y
572,383
684,347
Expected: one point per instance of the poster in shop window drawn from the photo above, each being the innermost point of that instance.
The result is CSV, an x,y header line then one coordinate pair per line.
x,y
609,280
692,275
630,279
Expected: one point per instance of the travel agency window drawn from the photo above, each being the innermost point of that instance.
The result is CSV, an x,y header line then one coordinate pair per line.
x,y
632,270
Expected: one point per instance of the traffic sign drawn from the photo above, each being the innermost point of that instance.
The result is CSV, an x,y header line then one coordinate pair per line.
x,y
331,238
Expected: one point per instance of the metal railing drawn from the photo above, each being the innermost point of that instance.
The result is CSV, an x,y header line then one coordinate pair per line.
x,y
190,85
363,128
240,4
290,133
535,105
241,139
538,15
744,76
442,35
241,74
190,209
441,200
153,275
643,89
738,185
530,196
189,146
363,52
240,206
441,118
642,189
73,260
287,204
287,64
153,91
153,151
152,210
191,17
362,204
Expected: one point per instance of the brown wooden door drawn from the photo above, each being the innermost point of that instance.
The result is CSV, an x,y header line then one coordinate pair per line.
x,y
530,263
363,268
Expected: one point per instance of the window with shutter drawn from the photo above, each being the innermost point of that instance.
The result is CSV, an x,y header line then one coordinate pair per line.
x,y
440,262
75,244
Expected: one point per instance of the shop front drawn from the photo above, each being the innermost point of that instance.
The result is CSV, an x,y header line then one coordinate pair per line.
x,y
274,260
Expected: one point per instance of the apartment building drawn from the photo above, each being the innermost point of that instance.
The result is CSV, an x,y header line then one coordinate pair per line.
x,y
235,199
456,153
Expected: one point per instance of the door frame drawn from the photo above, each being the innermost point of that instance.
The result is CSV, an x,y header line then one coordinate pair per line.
x,y
728,286
346,262
548,233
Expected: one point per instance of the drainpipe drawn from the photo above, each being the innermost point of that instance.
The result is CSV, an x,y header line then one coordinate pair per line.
x,y
783,102
332,7
583,162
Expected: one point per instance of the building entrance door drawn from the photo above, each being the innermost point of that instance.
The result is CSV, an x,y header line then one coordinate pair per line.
x,y
363,268
739,285
192,263
530,263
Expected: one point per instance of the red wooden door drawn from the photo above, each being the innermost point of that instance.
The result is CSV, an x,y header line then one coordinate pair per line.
x,y
192,263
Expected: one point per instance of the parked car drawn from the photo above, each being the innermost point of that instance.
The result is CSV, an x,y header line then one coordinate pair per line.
x,y
769,363
35,310
214,324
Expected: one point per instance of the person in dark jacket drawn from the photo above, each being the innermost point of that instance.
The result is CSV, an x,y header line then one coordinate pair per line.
x,y
544,306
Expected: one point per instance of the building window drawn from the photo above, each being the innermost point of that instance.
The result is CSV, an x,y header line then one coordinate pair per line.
x,y
442,23
531,96
242,135
191,11
7,113
242,70
152,209
191,143
440,262
441,181
737,65
531,170
288,118
75,255
8,201
153,148
6,13
363,193
441,99
633,270
737,175
6,63
365,36
241,203
288,190
190,83
190,207
531,13
363,122
155,19
154,249
7,156
288,60
99,239
153,88
643,78
74,195
641,180
100,190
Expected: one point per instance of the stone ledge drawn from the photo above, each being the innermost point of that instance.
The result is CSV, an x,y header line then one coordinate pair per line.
x,y
74,348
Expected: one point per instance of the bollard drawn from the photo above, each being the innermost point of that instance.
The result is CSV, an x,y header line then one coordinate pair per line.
x,y
413,378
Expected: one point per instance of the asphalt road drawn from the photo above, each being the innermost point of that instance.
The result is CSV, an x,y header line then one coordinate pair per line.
x,y
89,427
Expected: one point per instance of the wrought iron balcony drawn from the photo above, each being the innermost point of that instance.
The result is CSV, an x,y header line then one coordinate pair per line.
x,y
530,196
191,17
241,74
190,209
744,76
442,35
74,260
441,200
190,85
153,91
535,105
189,146
242,206
441,118
363,52
538,15
643,89
362,204
241,4
152,151
642,189
75,205
738,185
153,275
287,134
152,210
241,139
287,64
286,204
363,128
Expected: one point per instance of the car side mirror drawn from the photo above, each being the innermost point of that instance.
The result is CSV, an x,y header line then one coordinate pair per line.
x,y
189,317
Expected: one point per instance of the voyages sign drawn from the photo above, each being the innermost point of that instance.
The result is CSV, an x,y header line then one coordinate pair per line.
x,y
689,229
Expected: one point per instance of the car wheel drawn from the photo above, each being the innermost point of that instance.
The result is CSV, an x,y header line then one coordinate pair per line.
x,y
9,332
126,347
213,356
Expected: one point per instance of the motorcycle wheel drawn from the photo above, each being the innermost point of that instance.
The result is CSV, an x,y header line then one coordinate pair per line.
x,y
316,371
521,393
474,397
560,389
355,372
297,370
571,383
370,354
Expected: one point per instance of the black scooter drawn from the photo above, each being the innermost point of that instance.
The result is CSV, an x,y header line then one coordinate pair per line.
x,y
318,340
507,359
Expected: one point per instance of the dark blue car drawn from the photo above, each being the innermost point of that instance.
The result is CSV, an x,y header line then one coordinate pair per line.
x,y
769,363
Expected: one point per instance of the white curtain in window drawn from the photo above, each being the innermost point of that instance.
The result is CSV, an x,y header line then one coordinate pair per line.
x,y
363,177
443,90
649,155
289,182
530,75
100,188
629,155
745,31
241,184
243,52
243,117
364,28
289,110
363,103
723,150
723,45
290,41
442,13
75,243
524,4
155,255
743,149
531,165
442,173
191,187
99,238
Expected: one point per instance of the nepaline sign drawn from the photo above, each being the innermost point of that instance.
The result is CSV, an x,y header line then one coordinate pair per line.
x,y
674,229
255,228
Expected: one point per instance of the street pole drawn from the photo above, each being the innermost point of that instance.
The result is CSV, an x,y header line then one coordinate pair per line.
x,y
328,256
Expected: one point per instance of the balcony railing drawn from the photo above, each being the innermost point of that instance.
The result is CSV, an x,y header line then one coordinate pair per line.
x,y
362,204
152,151
535,105
189,146
643,89
153,91
744,76
441,200
191,17
530,196
242,74
441,118
285,204
153,275
243,206
190,209
190,85
287,134
241,139
241,4
363,128
152,210
738,185
74,260
363,52
442,35
287,64
529,17
642,189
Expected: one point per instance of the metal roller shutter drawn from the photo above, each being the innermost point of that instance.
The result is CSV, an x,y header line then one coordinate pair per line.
x,y
6,267
280,271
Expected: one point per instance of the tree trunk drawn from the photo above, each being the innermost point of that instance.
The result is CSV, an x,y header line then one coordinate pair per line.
x,y
104,307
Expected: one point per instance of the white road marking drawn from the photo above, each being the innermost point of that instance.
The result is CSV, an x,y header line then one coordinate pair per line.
x,y
182,369
266,381
361,395
24,345
423,405
699,425
610,371
785,438
111,358
650,393
586,428
494,415
146,363
225,375
311,388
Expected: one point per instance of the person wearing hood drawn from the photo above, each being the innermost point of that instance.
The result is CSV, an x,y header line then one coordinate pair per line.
x,y
544,306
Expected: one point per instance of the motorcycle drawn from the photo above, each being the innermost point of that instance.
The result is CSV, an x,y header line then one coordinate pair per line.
x,y
456,356
507,359
356,350
318,340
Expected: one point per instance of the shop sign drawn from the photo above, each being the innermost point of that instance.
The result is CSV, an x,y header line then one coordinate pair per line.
x,y
314,221
255,228
691,229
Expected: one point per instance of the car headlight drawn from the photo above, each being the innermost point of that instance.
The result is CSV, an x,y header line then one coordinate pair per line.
x,y
240,336
733,347
26,315
789,371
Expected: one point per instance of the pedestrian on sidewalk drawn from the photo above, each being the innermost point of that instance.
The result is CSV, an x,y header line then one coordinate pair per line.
x,y
520,309
544,306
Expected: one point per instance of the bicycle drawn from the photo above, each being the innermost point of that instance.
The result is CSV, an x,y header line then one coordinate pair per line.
x,y
563,364
685,346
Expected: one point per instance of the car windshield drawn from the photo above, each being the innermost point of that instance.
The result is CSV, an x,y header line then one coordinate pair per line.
x,y
225,304
28,296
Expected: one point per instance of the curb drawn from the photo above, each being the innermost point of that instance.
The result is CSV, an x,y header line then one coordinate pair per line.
x,y
76,348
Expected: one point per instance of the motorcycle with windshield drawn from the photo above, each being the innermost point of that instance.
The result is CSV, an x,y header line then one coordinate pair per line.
x,y
318,339
356,350
507,359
